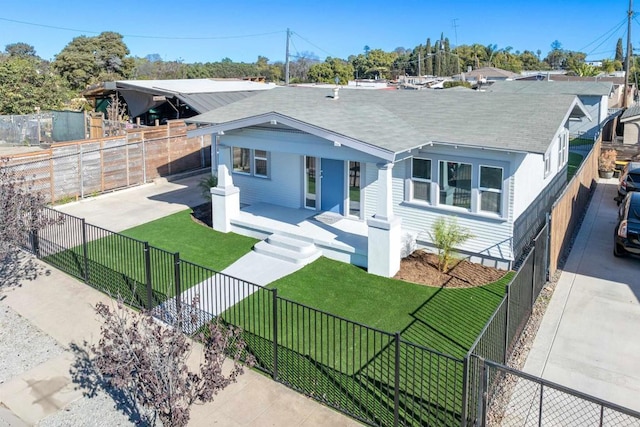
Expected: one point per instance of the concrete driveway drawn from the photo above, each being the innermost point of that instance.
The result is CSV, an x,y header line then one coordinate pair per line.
x,y
127,208
589,339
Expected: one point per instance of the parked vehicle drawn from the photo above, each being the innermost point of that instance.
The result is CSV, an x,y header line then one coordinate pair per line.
x,y
629,180
626,238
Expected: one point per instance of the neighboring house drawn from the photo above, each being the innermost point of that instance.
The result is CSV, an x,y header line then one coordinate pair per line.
x,y
393,162
631,121
162,100
594,96
487,75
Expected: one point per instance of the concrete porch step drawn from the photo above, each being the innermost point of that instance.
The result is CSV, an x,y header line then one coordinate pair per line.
x,y
288,249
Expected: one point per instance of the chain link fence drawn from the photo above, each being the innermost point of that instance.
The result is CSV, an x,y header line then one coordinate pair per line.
x,y
514,398
26,130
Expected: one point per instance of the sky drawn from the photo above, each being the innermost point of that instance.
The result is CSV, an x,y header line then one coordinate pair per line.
x,y
209,30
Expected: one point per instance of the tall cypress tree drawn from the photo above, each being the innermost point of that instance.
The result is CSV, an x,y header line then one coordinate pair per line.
x,y
428,59
619,51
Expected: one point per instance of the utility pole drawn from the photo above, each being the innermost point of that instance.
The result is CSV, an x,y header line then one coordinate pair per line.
x,y
286,63
627,61
419,64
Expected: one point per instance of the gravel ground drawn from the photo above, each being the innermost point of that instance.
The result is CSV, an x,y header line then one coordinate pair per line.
x,y
23,347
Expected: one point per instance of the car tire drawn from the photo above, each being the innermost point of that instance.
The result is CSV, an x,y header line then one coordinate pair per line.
x,y
618,251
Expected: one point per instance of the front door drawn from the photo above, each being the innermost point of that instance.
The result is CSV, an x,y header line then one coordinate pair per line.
x,y
310,184
333,186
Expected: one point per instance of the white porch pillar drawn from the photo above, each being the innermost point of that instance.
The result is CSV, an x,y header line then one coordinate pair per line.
x,y
385,229
225,201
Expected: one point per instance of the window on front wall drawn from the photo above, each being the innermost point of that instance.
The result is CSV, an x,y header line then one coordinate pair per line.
x,y
455,184
547,164
490,189
261,163
421,180
241,160
251,162
562,151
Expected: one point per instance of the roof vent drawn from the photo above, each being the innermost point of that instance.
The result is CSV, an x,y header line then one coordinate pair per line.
x,y
335,92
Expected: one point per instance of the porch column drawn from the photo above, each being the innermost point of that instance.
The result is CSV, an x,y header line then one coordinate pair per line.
x,y
225,201
385,229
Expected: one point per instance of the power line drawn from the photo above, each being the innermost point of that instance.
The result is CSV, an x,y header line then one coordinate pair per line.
x,y
141,36
312,44
606,36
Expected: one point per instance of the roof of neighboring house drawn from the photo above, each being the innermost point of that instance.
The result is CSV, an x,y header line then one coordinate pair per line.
x,y
396,121
589,88
564,78
201,95
490,73
631,113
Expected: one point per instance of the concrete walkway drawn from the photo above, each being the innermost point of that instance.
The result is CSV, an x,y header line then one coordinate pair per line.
x,y
589,339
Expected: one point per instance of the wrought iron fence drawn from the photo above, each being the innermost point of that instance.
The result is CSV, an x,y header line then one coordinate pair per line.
x,y
514,398
501,333
369,374
374,376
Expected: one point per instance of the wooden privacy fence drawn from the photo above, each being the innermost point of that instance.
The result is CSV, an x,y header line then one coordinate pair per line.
x,y
570,205
77,169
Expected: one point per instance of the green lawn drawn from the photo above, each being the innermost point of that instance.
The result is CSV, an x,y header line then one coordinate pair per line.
x,y
448,320
196,243
575,160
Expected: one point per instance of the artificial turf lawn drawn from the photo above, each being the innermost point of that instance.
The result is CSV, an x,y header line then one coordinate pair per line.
x,y
196,243
575,160
447,320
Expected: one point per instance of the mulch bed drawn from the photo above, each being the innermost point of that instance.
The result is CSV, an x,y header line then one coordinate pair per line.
x,y
202,214
422,267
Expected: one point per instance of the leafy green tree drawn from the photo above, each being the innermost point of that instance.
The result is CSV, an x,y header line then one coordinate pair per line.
x,y
26,83
583,69
607,66
331,68
619,52
20,49
86,60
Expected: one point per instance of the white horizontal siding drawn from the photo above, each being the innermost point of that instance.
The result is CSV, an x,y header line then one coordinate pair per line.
x,y
492,236
283,187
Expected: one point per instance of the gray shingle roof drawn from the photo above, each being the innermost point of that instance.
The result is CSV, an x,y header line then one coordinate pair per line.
x,y
553,87
397,120
632,111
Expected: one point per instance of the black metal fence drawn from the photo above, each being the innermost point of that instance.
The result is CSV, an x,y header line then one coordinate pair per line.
x,y
514,398
372,375
501,333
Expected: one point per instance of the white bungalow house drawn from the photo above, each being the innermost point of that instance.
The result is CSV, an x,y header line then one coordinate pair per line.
x,y
362,175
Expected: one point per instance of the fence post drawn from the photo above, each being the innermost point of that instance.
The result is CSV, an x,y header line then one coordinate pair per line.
x,y
506,326
534,271
540,405
176,277
147,270
396,385
85,251
465,388
483,401
274,326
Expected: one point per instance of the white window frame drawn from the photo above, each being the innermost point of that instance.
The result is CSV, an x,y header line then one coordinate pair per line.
x,y
255,158
252,162
547,164
562,151
422,180
490,190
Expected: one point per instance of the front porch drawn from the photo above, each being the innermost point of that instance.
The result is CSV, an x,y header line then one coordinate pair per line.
x,y
339,238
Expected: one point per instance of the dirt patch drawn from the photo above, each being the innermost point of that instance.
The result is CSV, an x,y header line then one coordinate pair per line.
x,y
422,267
202,214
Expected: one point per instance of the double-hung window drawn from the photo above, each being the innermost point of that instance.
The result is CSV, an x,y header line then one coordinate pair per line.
x,y
251,162
562,151
260,161
490,189
421,180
